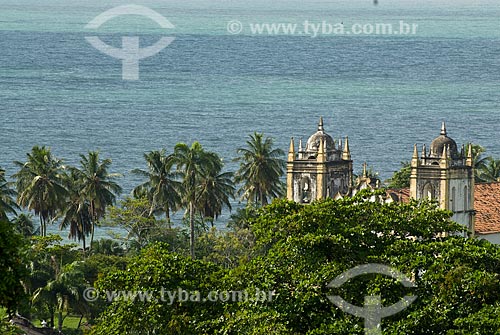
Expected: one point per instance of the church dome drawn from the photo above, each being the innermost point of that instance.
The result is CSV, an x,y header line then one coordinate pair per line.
x,y
442,141
314,141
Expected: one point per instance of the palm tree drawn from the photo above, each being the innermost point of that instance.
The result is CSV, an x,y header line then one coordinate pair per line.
x,y
490,171
63,293
97,186
107,247
194,162
260,170
39,185
478,158
401,178
214,191
24,225
162,187
7,194
76,214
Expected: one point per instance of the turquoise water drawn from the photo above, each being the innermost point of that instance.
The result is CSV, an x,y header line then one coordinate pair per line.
x,y
384,92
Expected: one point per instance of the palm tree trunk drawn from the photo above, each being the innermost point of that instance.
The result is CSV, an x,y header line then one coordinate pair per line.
x,y
92,226
59,320
41,225
167,215
191,228
82,219
52,318
91,235
83,239
80,322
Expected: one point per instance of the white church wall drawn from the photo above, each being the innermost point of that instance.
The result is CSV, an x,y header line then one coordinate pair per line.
x,y
459,201
493,238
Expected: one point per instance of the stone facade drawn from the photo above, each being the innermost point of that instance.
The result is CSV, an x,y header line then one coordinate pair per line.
x,y
446,175
323,169
320,170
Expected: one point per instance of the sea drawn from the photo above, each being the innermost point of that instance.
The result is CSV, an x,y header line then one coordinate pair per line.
x,y
217,85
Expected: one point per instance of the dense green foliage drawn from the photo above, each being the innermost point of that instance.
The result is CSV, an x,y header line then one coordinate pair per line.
x,y
143,227
286,251
401,178
12,266
153,270
296,251
6,328
56,279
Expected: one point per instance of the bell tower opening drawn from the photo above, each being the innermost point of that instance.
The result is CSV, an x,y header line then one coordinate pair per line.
x,y
305,190
428,192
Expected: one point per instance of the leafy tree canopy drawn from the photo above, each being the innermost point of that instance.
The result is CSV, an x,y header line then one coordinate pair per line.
x,y
154,271
401,178
297,250
12,266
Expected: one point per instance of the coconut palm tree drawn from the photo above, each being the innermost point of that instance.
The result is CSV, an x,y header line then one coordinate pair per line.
x,y
261,167
7,195
193,162
478,158
108,247
215,190
76,213
24,225
490,171
63,293
97,186
39,185
162,187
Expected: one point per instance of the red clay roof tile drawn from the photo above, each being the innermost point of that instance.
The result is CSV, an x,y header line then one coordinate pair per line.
x,y
486,204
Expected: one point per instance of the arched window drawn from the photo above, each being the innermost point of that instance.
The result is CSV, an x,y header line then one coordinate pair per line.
x,y
305,190
428,191
332,188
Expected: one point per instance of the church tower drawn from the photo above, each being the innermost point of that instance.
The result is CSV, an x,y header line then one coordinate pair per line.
x,y
320,170
445,175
